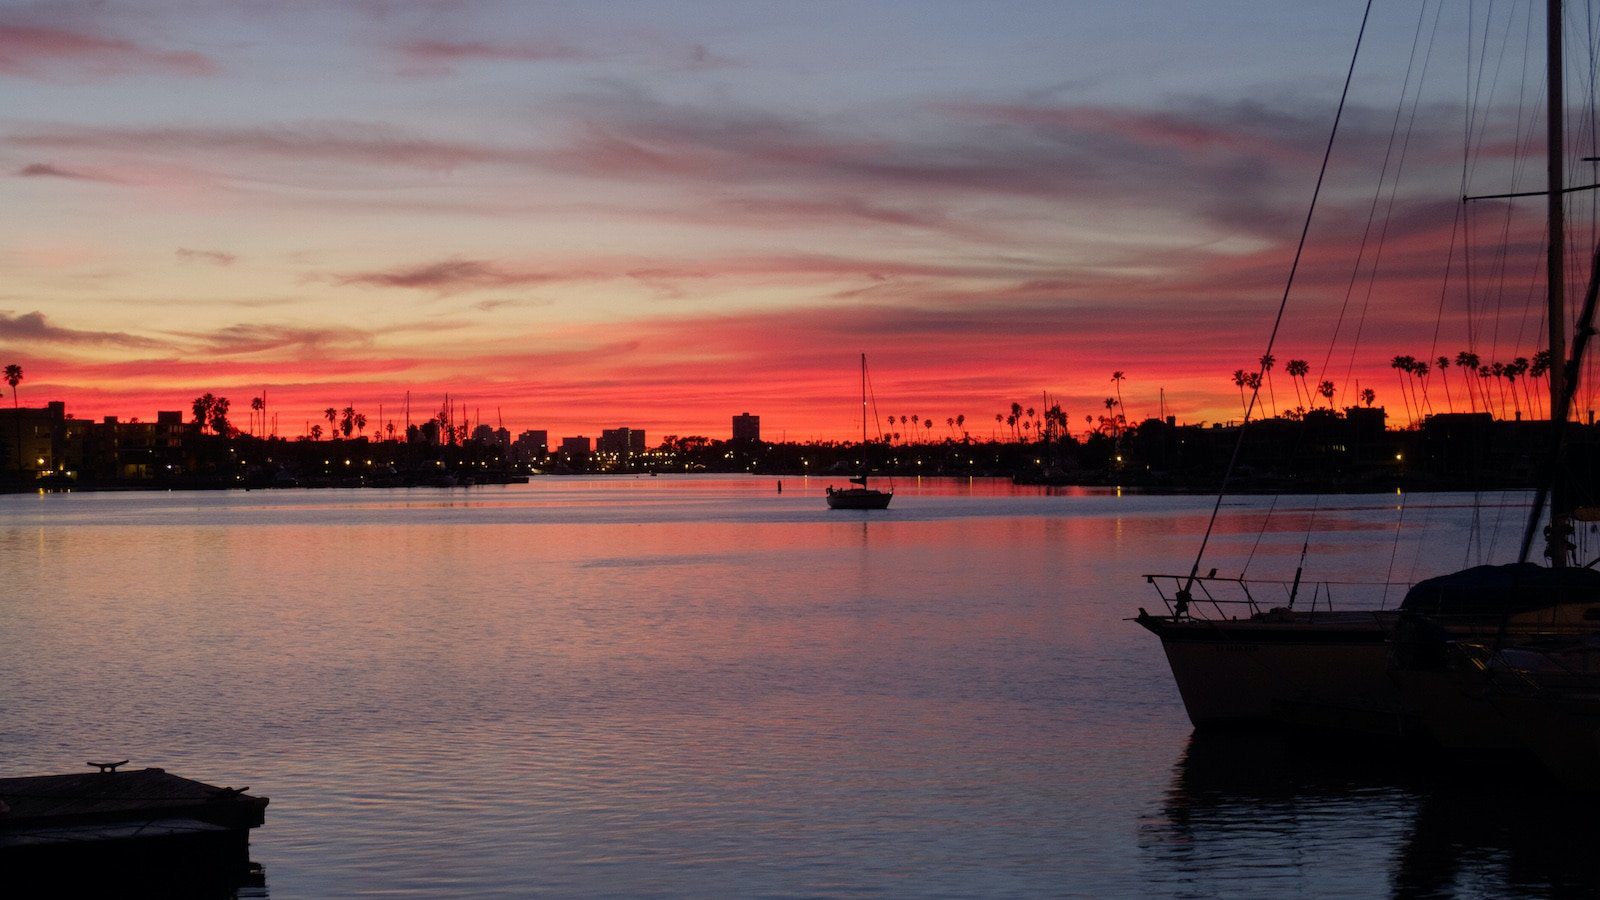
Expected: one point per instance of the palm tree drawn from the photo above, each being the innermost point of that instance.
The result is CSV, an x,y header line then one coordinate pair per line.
x,y
13,377
219,417
1401,368
1521,365
1116,379
331,415
1511,371
1016,416
1420,369
1326,390
1540,369
256,406
1267,362
1238,382
1111,417
1368,395
316,432
1299,369
1498,371
1443,363
1468,362
361,423
202,408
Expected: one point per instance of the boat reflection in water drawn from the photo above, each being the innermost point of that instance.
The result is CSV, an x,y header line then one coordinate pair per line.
x,y
1357,819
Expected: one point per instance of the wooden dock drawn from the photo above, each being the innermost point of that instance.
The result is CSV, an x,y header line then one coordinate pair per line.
x,y
142,827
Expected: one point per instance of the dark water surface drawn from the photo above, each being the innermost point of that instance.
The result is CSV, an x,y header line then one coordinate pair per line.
x,y
698,686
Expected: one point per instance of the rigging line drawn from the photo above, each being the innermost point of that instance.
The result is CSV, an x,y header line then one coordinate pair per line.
x,y
1519,160
1503,253
1594,140
1361,251
1372,213
1484,109
1580,343
1383,233
866,374
1475,529
1444,291
1283,303
1394,551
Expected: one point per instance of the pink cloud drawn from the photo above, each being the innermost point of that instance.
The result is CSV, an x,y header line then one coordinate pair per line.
x,y
61,54
47,170
522,51
345,142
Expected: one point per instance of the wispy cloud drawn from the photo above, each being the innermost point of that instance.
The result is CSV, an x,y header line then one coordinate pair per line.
x,y
702,59
47,170
345,142
448,276
215,257
440,57
456,275
61,54
316,341
34,326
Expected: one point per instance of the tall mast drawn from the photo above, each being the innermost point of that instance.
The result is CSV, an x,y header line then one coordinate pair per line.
x,y
1555,264
863,420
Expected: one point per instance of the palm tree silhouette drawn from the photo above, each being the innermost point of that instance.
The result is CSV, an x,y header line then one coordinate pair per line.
x,y
1510,372
1420,369
1443,363
256,406
13,377
1402,367
1267,362
1238,382
1326,390
331,415
1298,369
1522,365
316,432
1368,395
1116,379
1467,361
1540,369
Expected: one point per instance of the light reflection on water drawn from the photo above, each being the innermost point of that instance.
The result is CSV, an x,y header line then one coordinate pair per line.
x,y
699,685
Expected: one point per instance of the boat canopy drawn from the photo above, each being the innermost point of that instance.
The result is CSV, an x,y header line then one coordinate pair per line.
x,y
1514,587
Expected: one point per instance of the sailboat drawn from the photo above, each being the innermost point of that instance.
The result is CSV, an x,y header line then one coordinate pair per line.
x,y
861,496
1235,661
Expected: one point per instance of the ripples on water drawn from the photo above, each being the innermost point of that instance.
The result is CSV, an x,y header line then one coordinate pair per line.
x,y
700,686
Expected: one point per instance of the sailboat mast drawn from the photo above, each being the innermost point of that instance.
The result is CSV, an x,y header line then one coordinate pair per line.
x,y
1555,262
863,420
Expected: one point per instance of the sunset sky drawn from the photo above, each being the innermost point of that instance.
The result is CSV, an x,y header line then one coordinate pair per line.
x,y
577,216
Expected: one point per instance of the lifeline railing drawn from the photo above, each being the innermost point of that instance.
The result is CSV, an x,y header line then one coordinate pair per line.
x,y
1252,596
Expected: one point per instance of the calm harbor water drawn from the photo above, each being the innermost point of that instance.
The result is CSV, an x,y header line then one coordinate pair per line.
x,y
701,686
